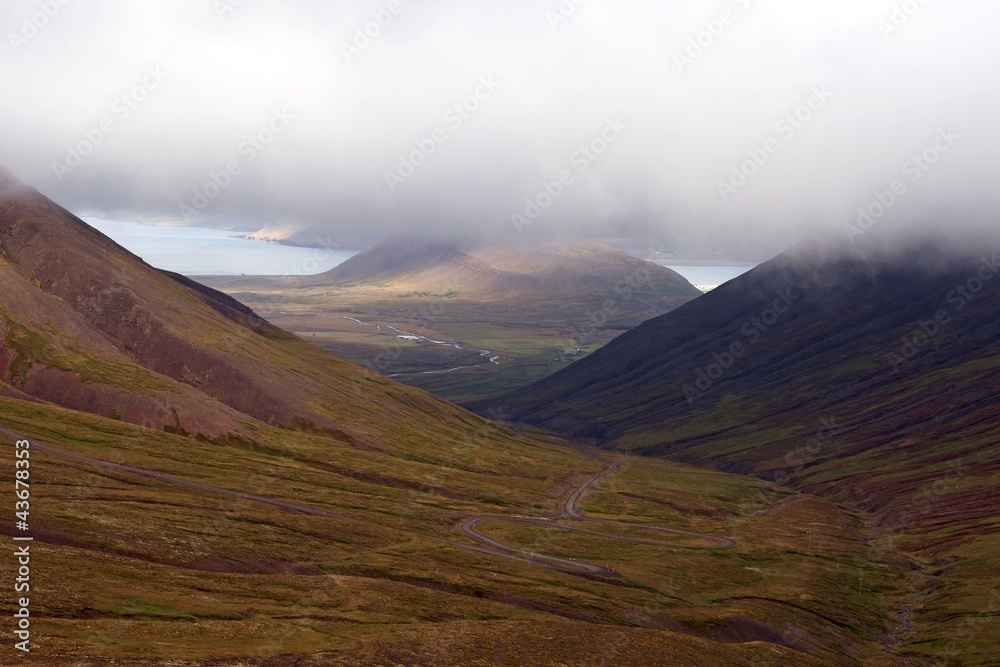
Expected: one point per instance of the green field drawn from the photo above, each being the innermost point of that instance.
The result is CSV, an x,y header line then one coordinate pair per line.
x,y
128,565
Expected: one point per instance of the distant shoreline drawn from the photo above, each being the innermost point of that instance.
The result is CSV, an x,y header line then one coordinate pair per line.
x,y
296,244
703,262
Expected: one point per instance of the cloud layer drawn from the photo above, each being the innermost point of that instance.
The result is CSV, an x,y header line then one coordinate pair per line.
x,y
744,125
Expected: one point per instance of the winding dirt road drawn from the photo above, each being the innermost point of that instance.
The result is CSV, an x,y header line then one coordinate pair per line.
x,y
486,544
572,512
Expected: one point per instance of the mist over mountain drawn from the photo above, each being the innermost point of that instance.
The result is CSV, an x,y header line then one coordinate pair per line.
x,y
186,451
783,120
893,307
506,430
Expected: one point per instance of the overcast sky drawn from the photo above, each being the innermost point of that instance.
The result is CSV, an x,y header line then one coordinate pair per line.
x,y
125,108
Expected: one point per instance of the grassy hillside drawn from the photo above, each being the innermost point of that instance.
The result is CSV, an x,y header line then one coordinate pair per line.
x,y
868,376
130,567
208,488
86,325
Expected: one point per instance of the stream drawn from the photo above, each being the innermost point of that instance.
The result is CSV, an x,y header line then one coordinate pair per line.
x,y
417,338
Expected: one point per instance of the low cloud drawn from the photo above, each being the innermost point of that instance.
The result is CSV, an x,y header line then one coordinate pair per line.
x,y
376,87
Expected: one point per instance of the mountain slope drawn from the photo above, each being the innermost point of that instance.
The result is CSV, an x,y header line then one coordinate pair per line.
x,y
866,374
87,325
572,267
327,516
820,328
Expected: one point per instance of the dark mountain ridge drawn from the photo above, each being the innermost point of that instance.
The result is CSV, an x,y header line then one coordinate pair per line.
x,y
864,372
792,321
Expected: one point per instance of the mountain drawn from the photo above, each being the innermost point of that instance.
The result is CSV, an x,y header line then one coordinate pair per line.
x,y
206,489
824,328
573,270
306,233
866,373
289,231
897,347
87,325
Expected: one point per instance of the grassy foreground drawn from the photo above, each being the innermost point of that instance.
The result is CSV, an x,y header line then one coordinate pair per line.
x,y
130,568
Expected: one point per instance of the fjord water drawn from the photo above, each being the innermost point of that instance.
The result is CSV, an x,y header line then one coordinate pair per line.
x,y
197,251
710,275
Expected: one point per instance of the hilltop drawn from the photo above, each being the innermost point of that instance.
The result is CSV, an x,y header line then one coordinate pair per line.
x,y
567,269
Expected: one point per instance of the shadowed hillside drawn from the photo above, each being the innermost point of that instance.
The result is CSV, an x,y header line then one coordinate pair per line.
x,y
865,373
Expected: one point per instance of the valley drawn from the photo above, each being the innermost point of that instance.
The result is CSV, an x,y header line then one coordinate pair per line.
x,y
210,488
817,400
535,310
464,334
